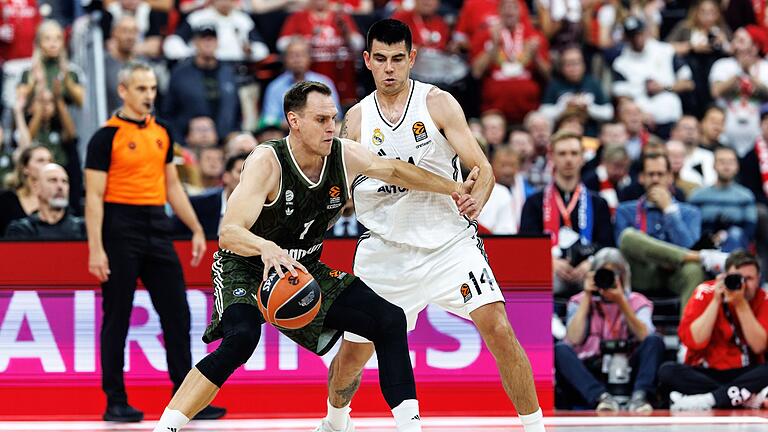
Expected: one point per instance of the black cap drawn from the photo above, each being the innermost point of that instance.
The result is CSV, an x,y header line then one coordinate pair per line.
x,y
205,30
633,26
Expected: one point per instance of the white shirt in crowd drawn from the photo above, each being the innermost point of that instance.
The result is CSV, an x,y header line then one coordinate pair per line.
x,y
742,116
655,62
699,167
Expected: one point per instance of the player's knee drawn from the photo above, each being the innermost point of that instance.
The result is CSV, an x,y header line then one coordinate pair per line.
x,y
241,343
393,322
352,357
236,348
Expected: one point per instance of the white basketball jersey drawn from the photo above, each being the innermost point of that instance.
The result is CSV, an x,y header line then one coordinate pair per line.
x,y
415,218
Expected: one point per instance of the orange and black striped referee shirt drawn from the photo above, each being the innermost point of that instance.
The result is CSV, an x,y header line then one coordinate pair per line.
x,y
134,155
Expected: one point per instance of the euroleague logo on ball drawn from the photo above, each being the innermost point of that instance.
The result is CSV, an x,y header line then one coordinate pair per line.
x,y
293,280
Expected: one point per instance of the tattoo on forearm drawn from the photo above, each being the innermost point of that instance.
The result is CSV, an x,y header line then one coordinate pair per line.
x,y
347,392
343,133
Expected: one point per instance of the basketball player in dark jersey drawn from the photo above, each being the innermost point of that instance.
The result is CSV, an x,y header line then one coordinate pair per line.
x,y
290,192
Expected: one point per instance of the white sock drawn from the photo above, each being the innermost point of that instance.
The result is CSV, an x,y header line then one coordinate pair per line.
x,y
171,421
533,422
407,418
338,417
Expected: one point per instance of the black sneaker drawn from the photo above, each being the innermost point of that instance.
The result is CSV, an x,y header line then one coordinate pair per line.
x,y
123,413
210,413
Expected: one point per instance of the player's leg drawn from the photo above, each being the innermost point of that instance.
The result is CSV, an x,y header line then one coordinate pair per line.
x,y
241,326
344,376
514,367
361,311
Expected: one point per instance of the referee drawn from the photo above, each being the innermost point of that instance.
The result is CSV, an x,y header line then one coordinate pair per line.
x,y
129,177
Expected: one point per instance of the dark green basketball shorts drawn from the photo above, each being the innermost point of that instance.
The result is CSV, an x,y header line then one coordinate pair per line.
x,y
237,280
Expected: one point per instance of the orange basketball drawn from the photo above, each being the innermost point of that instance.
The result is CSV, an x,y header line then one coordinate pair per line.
x,y
290,302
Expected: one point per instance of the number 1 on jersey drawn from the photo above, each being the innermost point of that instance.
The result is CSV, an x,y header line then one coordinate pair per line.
x,y
306,229
485,278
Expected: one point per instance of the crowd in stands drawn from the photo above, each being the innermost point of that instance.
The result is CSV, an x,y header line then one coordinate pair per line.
x,y
633,133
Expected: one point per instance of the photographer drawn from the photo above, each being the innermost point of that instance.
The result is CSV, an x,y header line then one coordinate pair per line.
x,y
724,331
577,219
608,318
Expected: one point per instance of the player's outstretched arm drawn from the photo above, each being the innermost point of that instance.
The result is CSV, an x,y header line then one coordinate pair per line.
x,y
361,161
448,116
260,179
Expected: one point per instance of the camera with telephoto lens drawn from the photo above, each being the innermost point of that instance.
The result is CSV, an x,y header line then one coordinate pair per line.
x,y
734,281
616,365
604,279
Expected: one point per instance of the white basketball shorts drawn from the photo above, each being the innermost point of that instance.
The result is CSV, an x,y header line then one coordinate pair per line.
x,y
456,277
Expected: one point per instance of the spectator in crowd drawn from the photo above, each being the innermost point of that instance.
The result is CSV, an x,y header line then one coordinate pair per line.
x,y
203,86
238,38
573,89
648,72
507,58
724,331
611,134
347,225
430,30
561,21
656,232
47,121
611,177
522,143
51,221
740,85
334,40
574,120
699,163
240,143
272,130
712,126
577,220
128,235
728,212
677,153
20,200
753,174
539,171
149,24
201,133
602,24
476,16
494,129
609,313
630,114
211,167
210,206
18,23
121,49
701,38
501,213
297,60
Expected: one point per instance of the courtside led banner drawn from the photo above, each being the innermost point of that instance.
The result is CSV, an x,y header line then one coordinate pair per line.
x,y
50,314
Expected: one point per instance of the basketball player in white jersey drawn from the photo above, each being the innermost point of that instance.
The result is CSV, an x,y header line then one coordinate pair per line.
x,y
420,250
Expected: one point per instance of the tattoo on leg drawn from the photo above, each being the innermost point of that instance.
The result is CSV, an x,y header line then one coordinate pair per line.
x,y
346,393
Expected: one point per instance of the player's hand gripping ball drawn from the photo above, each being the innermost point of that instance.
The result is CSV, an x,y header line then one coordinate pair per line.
x,y
290,302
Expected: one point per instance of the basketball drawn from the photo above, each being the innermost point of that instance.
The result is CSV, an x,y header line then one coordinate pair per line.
x,y
290,302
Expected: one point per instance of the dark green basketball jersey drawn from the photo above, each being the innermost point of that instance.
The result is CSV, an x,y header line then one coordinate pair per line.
x,y
300,214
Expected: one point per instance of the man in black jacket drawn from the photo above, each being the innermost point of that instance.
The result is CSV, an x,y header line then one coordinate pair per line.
x,y
52,220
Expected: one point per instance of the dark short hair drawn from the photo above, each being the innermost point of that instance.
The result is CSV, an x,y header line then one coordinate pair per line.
x,y
713,108
391,32
296,97
740,258
229,165
726,148
562,136
649,156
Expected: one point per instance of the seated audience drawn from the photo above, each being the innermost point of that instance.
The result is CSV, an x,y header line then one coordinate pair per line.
x,y
611,177
677,153
655,234
724,332
572,88
607,310
21,198
297,61
728,212
52,220
201,133
699,163
648,73
501,213
577,220
210,206
506,59
203,86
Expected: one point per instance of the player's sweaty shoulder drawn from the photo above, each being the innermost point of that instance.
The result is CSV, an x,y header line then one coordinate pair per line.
x,y
262,166
350,126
